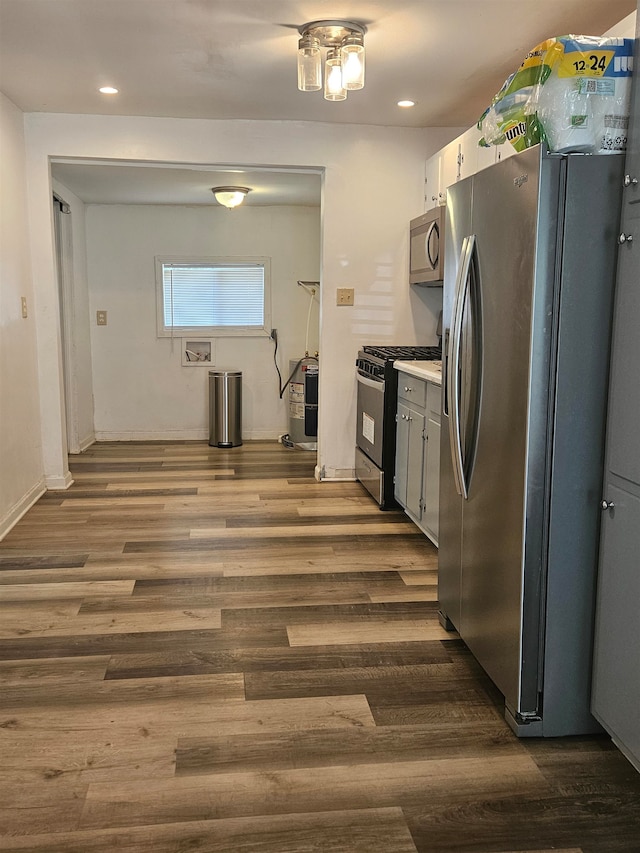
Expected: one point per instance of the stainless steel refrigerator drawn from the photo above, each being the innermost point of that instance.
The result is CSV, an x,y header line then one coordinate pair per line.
x,y
530,258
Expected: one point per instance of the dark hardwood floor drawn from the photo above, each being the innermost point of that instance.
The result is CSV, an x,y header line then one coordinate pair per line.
x,y
207,650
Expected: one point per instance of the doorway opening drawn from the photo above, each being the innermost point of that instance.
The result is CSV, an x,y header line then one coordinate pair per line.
x,y
141,386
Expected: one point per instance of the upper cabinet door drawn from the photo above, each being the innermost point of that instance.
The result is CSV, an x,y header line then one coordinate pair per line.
x,y
450,168
468,150
459,159
432,181
486,157
503,151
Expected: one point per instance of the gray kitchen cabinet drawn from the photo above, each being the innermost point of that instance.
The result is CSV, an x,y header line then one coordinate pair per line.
x,y
417,472
409,456
431,475
616,673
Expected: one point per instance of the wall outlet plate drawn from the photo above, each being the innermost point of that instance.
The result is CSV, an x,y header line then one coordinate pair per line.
x,y
101,318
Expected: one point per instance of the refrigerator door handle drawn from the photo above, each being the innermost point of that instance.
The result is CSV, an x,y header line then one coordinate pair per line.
x,y
453,373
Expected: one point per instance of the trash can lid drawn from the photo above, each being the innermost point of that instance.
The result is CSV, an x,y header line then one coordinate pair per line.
x,y
225,373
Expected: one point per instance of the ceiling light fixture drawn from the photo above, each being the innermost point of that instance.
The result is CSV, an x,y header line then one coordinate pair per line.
x,y
344,66
108,90
230,197
406,103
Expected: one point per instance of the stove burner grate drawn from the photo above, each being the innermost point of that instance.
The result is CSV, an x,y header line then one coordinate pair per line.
x,y
410,353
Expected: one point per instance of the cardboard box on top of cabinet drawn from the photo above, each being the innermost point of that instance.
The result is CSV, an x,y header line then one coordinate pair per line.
x,y
572,92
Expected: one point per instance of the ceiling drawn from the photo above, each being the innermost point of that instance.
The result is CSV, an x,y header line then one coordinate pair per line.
x,y
230,59
118,183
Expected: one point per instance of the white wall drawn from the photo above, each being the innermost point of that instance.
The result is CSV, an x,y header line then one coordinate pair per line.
x,y
141,388
21,470
373,185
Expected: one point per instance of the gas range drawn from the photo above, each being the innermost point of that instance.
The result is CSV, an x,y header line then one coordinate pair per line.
x,y
376,414
378,360
409,353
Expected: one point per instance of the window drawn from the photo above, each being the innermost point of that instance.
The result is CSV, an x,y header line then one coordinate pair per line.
x,y
213,296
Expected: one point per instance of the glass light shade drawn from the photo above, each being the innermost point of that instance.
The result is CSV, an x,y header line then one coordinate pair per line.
x,y
230,196
352,55
333,88
309,64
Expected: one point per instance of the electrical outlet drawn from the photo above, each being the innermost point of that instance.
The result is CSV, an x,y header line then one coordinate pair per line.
x,y
344,296
23,300
101,318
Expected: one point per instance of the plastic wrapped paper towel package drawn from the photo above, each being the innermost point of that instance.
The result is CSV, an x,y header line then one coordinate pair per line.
x,y
571,92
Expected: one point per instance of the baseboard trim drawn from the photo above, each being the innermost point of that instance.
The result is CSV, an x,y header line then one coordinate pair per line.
x,y
336,475
21,507
152,435
58,484
87,442
180,435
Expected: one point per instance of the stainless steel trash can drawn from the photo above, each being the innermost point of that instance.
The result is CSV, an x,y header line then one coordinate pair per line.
x,y
225,408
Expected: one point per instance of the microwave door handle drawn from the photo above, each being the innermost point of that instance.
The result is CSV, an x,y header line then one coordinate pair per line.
x,y
433,230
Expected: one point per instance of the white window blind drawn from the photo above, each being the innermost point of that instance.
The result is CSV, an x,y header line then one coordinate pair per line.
x,y
213,296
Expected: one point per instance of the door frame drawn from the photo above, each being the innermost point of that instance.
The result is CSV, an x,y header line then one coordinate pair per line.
x,y
64,272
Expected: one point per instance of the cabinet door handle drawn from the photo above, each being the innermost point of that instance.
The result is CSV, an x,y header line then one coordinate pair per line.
x,y
406,388
605,505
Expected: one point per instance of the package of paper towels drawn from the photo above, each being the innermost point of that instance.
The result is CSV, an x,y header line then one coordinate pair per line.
x,y
572,92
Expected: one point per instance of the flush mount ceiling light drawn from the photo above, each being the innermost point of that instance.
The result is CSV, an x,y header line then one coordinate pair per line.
x,y
344,64
108,90
230,196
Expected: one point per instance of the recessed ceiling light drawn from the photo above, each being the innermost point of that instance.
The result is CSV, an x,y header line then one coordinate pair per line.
x,y
108,90
406,103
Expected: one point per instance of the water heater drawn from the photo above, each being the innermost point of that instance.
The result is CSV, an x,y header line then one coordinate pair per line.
x,y
303,403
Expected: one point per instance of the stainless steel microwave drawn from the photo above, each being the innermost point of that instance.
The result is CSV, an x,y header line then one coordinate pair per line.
x,y
426,248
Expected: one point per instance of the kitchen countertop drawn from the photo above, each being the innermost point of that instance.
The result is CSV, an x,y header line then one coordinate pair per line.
x,y
431,371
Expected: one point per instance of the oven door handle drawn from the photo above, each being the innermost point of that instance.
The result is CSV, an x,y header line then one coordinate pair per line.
x,y
377,384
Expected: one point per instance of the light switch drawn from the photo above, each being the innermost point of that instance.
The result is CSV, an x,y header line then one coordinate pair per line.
x,y
344,296
23,299
101,318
